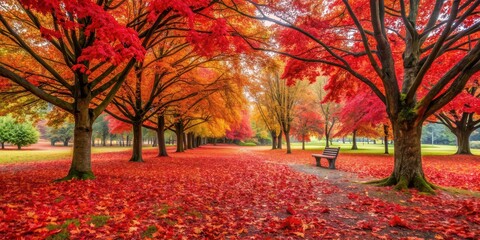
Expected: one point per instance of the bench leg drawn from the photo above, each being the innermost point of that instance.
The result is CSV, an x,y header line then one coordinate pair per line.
x,y
318,161
331,163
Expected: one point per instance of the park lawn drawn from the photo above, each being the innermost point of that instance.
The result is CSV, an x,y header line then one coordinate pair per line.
x,y
364,148
51,154
218,192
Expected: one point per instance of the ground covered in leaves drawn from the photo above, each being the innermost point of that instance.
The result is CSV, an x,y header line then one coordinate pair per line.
x,y
224,192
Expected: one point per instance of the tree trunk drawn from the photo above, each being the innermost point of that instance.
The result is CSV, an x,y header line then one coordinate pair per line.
x,y
279,140
128,140
137,142
3,145
327,136
354,140
162,147
19,147
104,140
180,136
81,167
274,139
303,142
65,143
287,140
408,171
463,141
385,137
189,141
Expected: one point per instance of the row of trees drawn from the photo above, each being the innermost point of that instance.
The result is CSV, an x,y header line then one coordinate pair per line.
x,y
17,133
155,64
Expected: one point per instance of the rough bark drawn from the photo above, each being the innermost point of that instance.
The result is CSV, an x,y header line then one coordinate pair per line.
x,y
81,167
137,142
303,142
354,140
180,136
385,137
327,136
279,140
274,139
463,142
408,171
287,141
162,147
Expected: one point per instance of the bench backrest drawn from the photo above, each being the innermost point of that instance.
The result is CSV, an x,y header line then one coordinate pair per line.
x,y
331,151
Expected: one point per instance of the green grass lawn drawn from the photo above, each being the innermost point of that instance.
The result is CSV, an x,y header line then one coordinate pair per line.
x,y
18,156
364,148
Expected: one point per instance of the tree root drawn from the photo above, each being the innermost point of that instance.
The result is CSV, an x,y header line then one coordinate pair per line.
x,y
74,174
384,182
418,183
136,159
423,186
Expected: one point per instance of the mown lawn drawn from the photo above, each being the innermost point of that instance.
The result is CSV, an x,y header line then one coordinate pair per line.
x,y
18,156
364,148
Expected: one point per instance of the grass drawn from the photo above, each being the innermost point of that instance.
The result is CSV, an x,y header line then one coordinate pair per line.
x,y
364,148
19,156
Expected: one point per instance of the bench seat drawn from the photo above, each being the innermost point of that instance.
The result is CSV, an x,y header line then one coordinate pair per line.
x,y
330,154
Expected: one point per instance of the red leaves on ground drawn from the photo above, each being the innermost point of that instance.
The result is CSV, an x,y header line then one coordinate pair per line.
x,y
396,221
215,193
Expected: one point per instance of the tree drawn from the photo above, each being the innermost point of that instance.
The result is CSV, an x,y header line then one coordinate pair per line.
x,y
73,52
280,99
23,134
6,126
242,130
462,116
308,121
437,44
100,129
330,110
61,133
361,115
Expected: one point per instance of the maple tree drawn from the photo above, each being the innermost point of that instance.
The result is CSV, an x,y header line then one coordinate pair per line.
x,y
437,44
242,130
219,101
361,115
278,98
462,115
330,110
75,52
308,121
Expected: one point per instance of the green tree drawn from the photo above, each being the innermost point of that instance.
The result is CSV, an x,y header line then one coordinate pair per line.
x,y
100,129
6,126
62,133
23,134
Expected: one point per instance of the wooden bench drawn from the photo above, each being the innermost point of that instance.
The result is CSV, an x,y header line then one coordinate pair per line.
x,y
330,154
